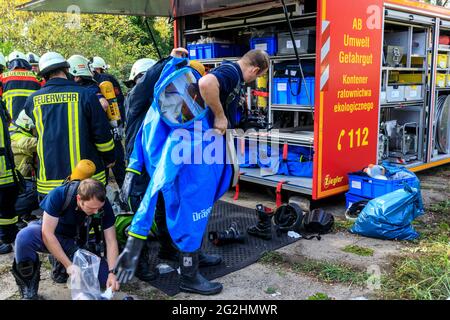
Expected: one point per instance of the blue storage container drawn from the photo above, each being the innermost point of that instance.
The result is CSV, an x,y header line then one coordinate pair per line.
x,y
302,98
351,199
192,48
218,50
201,51
280,91
364,186
268,44
294,92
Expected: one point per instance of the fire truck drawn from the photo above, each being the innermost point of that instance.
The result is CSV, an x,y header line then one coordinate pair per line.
x,y
353,82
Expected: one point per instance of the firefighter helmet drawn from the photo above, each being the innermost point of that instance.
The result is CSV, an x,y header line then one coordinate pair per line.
x,y
23,121
51,61
83,170
98,62
194,64
33,58
17,55
79,66
140,66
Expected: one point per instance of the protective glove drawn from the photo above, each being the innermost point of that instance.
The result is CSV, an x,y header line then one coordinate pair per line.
x,y
127,261
127,186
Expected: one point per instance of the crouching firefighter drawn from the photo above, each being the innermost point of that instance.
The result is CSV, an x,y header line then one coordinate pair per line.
x,y
69,211
189,190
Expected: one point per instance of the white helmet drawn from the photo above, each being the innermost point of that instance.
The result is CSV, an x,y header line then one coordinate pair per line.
x,y
2,60
33,58
140,66
51,61
24,121
79,66
17,55
98,62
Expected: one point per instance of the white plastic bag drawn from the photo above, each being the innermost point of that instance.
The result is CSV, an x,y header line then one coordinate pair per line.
x,y
84,284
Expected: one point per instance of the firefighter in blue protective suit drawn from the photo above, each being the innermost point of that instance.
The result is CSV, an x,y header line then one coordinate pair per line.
x,y
144,75
189,189
71,125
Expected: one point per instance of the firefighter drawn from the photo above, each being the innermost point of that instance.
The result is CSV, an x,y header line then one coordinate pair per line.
x,y
34,61
138,70
18,83
222,89
222,92
137,104
79,69
69,212
99,67
24,147
70,125
8,185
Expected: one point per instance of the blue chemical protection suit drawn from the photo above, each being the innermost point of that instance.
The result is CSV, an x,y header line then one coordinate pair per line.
x,y
174,125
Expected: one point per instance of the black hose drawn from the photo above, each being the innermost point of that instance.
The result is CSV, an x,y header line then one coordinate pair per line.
x,y
153,38
291,32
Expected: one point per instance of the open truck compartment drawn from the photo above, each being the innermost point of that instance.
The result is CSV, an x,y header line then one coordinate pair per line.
x,y
386,85
373,82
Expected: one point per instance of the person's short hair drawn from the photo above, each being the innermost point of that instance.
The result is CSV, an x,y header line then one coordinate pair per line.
x,y
52,73
257,58
91,188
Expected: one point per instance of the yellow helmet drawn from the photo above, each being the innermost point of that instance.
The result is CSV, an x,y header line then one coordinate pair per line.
x,y
84,169
194,64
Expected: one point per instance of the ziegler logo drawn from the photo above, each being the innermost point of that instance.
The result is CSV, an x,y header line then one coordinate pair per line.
x,y
201,215
332,181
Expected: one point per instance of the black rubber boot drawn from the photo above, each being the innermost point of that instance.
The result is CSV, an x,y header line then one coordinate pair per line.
x,y
168,250
143,270
191,280
27,275
208,260
5,248
263,229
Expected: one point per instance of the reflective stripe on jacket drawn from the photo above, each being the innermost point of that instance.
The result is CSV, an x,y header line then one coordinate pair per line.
x,y
16,86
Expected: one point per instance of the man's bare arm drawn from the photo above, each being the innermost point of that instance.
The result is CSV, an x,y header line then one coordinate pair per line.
x,y
52,244
210,92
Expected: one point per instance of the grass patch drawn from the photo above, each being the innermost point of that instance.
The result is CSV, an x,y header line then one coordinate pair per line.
x,y
342,225
134,288
323,271
271,257
360,251
319,296
331,272
423,274
270,290
441,207
434,225
423,271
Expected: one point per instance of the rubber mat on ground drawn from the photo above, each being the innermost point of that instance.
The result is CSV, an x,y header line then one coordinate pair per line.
x,y
235,256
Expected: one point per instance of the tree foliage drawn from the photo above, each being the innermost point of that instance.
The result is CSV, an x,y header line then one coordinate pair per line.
x,y
120,40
